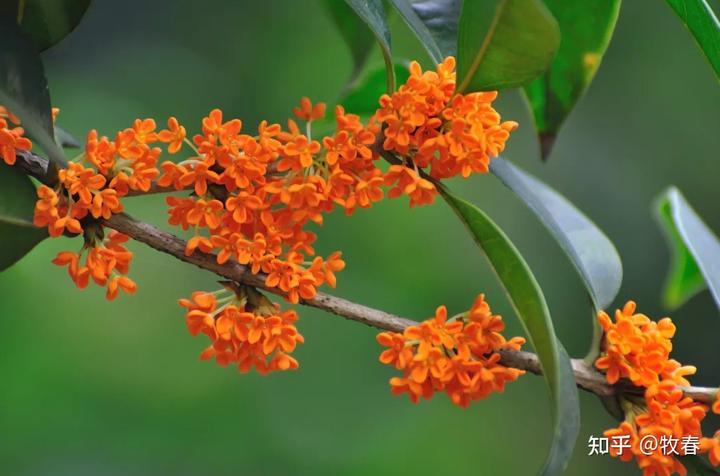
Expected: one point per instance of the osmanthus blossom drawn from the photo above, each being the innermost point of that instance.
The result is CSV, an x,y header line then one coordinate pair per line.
x,y
251,197
638,349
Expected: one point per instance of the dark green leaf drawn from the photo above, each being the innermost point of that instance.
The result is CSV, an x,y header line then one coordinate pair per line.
x,y
23,88
49,21
585,29
362,96
434,22
698,466
18,235
372,13
529,304
699,18
504,43
590,251
354,31
64,139
695,251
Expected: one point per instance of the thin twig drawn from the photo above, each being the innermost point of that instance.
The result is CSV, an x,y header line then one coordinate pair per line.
x,y
586,376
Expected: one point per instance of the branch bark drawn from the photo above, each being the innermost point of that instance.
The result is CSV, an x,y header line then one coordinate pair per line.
x,y
586,376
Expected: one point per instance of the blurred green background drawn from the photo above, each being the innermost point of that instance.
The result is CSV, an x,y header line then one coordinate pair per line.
x,y
98,388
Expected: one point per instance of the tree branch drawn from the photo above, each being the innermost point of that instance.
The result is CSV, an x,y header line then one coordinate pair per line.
x,y
586,376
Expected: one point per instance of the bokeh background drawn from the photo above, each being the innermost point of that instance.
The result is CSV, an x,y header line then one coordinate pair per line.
x,y
97,388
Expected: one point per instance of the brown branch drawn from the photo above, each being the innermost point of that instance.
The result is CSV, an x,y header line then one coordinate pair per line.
x,y
586,376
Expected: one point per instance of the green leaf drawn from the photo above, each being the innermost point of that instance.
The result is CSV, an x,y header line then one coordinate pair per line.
x,y
585,28
434,22
695,251
362,96
699,18
372,13
23,88
65,139
18,235
46,22
590,251
698,466
529,304
354,31
504,43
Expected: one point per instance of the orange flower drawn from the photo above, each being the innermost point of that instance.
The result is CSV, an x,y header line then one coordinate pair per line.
x,y
637,348
457,355
431,127
298,154
308,112
260,339
106,263
711,446
144,130
10,141
81,181
407,181
174,135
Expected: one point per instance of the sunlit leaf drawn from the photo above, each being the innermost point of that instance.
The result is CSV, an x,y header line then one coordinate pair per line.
x,y
702,22
434,22
695,251
23,88
504,43
372,13
18,235
529,304
585,31
590,251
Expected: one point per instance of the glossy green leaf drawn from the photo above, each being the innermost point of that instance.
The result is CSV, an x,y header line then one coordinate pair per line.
x,y
695,251
590,251
18,235
354,31
23,88
46,22
65,139
504,43
362,96
702,22
372,13
434,22
585,30
529,304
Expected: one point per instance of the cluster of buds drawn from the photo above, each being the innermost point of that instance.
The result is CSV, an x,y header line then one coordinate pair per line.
x,y
638,349
245,329
458,356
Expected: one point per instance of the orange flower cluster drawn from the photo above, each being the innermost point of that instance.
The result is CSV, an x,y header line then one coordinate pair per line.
x,y
107,263
254,197
11,137
89,190
245,329
255,194
458,355
432,127
637,348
